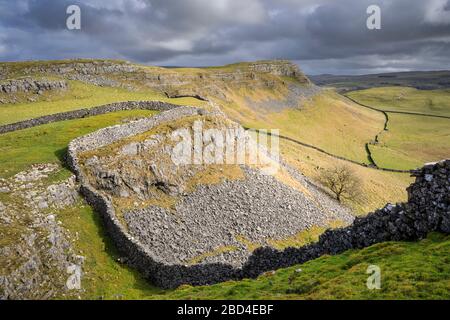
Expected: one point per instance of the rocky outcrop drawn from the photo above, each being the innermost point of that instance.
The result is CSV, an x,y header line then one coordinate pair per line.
x,y
142,241
36,250
93,67
279,68
201,82
30,85
205,226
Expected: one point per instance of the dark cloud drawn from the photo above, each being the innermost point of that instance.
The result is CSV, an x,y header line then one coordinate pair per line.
x,y
323,36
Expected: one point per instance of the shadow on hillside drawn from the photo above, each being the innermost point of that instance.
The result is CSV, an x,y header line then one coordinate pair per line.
x,y
138,282
61,155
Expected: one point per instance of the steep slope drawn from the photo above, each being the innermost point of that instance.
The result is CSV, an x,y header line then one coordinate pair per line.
x,y
269,94
262,94
405,99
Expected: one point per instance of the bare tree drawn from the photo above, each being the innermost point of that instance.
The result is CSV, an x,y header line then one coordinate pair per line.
x,y
342,182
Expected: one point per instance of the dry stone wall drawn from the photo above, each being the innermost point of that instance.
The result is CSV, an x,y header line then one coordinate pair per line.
x,y
427,210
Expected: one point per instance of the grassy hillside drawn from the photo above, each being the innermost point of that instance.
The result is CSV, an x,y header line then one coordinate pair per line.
x,y
327,121
79,95
436,102
408,271
412,141
103,276
48,143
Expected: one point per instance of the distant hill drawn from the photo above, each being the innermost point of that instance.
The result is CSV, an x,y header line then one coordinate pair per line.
x,y
424,80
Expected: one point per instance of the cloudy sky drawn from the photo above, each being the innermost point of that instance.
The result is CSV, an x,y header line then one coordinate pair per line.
x,y
322,36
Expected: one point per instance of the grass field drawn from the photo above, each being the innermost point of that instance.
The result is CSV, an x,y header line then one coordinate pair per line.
x,y
418,270
48,143
435,102
79,95
412,141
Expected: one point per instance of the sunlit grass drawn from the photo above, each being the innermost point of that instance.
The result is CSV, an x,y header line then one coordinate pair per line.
x,y
48,143
327,121
417,270
78,96
412,141
103,276
436,102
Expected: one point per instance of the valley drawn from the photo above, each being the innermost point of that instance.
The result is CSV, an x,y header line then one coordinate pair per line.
x,y
323,129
